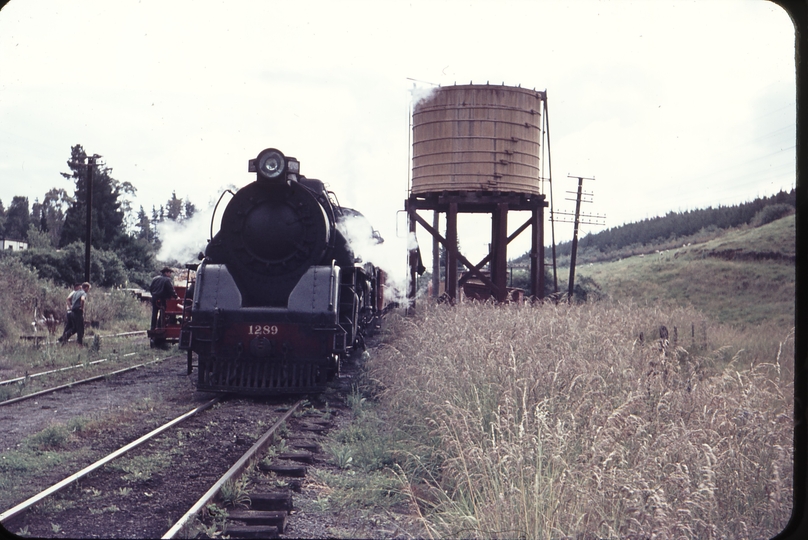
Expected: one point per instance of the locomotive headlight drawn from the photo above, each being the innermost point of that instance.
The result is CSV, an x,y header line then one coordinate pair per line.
x,y
270,164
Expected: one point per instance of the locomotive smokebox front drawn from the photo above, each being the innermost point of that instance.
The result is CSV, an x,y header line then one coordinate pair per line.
x,y
272,228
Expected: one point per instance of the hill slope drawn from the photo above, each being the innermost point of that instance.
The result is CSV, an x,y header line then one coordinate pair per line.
x,y
746,276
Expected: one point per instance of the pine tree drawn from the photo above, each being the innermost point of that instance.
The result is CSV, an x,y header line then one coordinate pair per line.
x,y
190,209
108,219
143,226
174,208
17,219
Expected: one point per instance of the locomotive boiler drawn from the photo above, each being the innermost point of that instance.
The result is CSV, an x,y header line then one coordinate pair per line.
x,y
280,297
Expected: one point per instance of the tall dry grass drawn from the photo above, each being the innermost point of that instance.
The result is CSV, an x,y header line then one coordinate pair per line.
x,y
553,421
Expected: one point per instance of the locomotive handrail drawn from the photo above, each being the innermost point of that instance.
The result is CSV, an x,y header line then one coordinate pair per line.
x,y
213,215
332,283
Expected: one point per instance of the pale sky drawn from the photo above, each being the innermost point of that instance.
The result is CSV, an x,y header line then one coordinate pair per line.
x,y
669,105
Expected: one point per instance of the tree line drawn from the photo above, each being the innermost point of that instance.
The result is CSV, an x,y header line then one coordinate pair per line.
x,y
124,242
664,232
675,225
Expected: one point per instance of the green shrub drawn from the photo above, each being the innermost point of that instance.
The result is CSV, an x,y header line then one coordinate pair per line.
x,y
66,266
53,436
106,307
25,298
770,213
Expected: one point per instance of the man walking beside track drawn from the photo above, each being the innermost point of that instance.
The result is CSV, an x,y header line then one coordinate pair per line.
x,y
75,325
69,317
161,289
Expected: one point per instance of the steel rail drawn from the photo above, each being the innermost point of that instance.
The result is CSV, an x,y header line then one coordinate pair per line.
x,y
89,379
11,512
41,373
124,334
121,334
232,472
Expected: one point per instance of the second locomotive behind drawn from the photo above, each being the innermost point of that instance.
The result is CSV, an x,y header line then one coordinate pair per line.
x,y
280,297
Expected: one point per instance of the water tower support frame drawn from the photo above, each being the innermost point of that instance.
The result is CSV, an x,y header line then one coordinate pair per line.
x,y
497,204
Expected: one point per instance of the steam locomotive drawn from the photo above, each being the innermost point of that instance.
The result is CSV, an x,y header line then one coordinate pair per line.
x,y
280,297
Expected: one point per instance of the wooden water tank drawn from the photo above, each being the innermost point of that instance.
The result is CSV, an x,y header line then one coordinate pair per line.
x,y
477,138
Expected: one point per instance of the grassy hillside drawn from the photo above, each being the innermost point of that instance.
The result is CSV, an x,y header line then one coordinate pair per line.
x,y
745,276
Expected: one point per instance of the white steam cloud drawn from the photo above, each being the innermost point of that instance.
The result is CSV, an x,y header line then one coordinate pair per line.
x,y
182,241
419,94
390,255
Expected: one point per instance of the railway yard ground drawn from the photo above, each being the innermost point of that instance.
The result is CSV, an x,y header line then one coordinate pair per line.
x,y
142,493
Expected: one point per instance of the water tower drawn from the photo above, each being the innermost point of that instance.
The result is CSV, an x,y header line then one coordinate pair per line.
x,y
476,149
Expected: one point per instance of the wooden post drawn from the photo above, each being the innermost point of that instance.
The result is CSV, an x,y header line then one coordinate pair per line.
x,y
435,257
88,236
575,238
451,251
537,253
499,245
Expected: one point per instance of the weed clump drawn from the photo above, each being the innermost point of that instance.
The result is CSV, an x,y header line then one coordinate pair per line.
x,y
53,436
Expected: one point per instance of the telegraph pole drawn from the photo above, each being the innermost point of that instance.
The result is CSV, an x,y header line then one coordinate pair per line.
x,y
88,236
574,253
579,198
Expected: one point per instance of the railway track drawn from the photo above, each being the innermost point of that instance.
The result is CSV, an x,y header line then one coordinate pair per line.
x,y
124,497
19,384
100,491
141,333
79,382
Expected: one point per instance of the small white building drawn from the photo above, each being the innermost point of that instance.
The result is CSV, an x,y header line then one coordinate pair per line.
x,y
12,244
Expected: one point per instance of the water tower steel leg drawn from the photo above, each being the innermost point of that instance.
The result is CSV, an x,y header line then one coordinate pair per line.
x,y
451,251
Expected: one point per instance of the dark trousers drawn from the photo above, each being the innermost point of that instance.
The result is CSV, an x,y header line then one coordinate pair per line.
x,y
158,306
78,325
68,324
74,325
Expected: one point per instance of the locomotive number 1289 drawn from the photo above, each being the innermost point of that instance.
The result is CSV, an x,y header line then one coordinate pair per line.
x,y
263,330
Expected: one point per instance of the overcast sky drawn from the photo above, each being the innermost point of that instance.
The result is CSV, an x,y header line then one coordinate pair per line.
x,y
669,105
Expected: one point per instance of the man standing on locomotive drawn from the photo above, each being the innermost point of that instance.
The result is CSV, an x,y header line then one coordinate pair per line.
x,y
161,289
